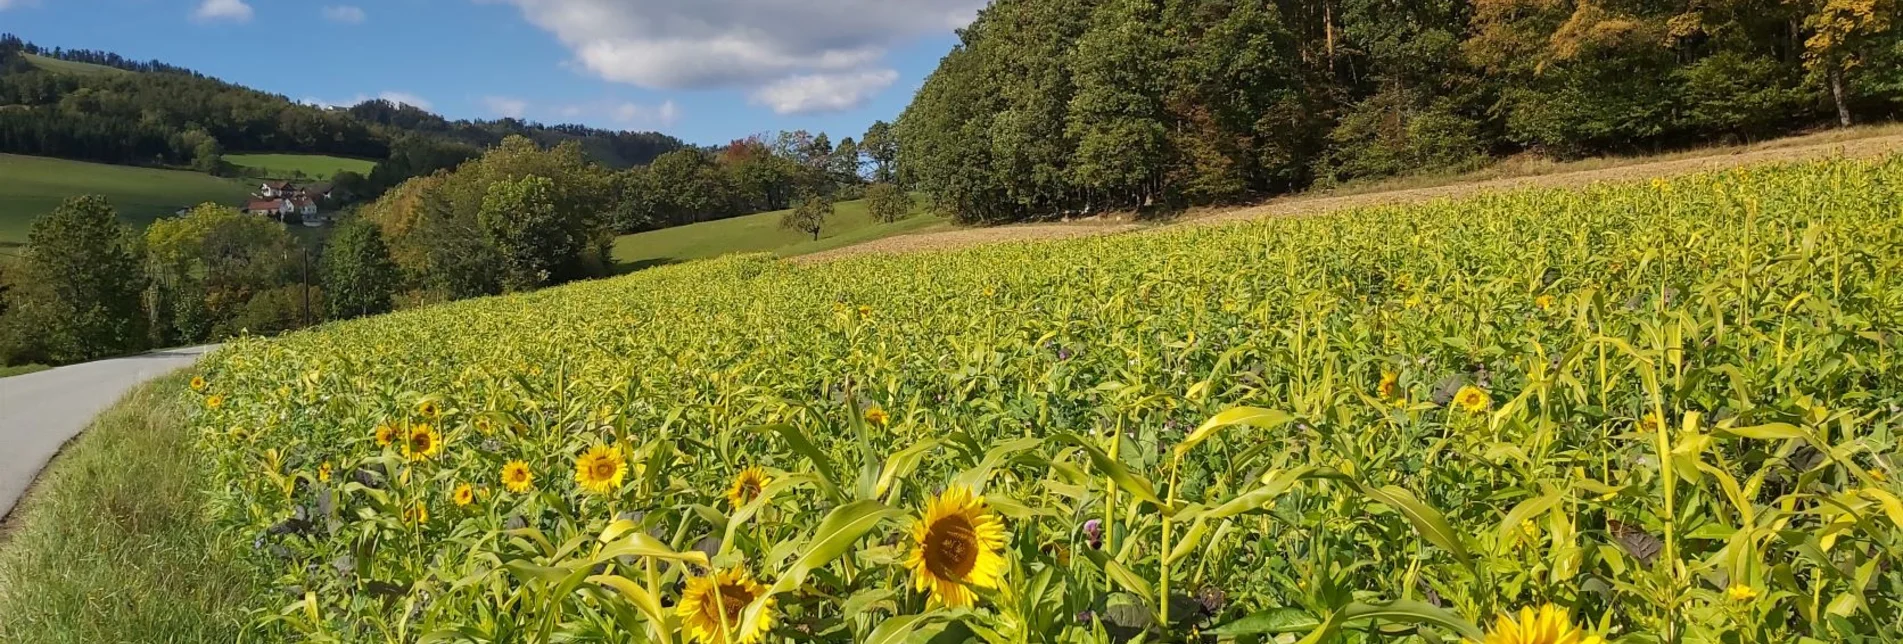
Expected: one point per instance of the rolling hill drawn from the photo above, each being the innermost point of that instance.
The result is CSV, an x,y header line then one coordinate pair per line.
x,y
316,166
35,185
850,224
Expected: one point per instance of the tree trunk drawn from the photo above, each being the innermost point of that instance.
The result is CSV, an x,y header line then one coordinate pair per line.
x,y
1837,94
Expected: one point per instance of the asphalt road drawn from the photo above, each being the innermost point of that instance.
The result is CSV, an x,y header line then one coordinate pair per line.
x,y
40,411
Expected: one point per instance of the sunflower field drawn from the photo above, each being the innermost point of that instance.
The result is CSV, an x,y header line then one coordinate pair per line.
x,y
1662,412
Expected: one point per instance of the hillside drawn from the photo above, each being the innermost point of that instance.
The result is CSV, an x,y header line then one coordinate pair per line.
x,y
33,186
850,224
314,166
70,67
1385,399
98,106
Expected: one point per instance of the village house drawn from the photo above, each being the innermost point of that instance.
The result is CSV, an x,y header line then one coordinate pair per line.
x,y
281,199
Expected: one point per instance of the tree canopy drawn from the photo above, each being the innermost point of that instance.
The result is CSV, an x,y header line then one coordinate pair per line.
x,y
1049,107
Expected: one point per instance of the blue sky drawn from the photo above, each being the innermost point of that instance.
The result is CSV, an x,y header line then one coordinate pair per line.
x,y
706,71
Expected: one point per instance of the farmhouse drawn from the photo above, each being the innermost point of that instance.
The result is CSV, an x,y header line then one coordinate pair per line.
x,y
280,199
300,205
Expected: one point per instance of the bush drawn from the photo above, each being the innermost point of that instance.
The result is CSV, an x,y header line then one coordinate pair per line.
x,y
888,203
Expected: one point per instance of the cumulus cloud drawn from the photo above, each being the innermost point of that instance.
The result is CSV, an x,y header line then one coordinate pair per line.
x,y
404,98
824,92
216,10
647,115
345,14
751,44
506,106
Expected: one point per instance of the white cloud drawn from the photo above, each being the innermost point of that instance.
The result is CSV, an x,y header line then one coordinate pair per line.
x,y
824,92
661,115
214,10
791,53
505,106
9,4
346,14
404,98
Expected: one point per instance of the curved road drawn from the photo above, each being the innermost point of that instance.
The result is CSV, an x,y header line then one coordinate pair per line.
x,y
40,411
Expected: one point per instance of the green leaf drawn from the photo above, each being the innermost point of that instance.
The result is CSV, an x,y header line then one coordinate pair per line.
x,y
980,474
803,444
1427,521
1136,485
900,465
899,628
1261,418
1274,484
643,601
1273,621
835,535
1525,511
1773,431
1403,610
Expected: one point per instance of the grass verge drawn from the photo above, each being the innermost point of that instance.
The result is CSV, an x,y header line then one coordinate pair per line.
x,y
113,543
21,369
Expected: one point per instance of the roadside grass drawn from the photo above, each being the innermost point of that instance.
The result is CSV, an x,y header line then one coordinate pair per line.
x,y
282,166
113,544
849,224
20,369
34,186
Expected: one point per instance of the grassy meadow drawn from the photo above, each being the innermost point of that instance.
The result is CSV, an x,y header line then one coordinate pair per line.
x,y
1662,412
71,67
112,544
850,224
33,186
314,166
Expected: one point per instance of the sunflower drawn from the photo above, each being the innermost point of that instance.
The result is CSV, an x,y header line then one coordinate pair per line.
x,y
214,401
877,416
417,514
517,477
1473,399
747,486
428,409
323,472
198,383
1550,625
464,495
1545,302
865,311
600,469
1741,593
422,443
1390,384
711,608
385,434
958,543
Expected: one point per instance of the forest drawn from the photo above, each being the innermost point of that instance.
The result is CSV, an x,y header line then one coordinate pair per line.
x,y
1054,107
167,115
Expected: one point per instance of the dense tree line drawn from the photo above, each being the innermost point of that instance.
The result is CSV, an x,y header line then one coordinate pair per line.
x,y
12,45
88,287
1056,106
165,115
516,218
750,175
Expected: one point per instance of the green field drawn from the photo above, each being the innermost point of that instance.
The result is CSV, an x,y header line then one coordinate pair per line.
x,y
35,185
315,166
70,67
850,224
